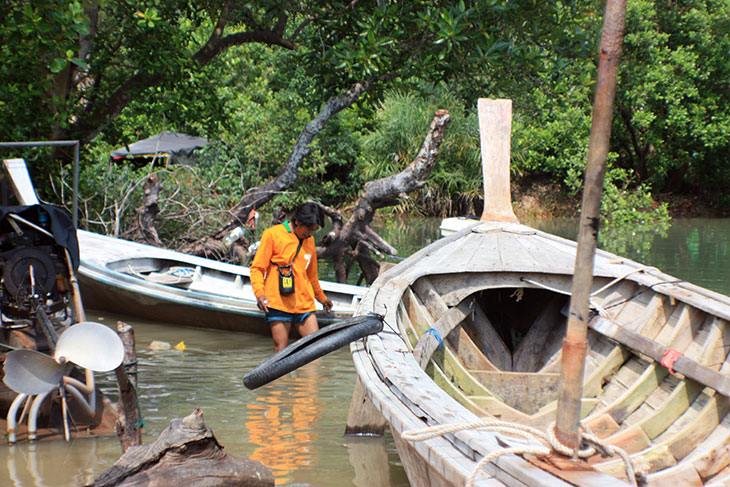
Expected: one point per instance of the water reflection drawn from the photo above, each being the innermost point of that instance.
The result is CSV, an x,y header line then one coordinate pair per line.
x,y
282,422
694,249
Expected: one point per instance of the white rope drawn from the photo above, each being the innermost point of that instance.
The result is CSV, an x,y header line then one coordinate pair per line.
x,y
592,444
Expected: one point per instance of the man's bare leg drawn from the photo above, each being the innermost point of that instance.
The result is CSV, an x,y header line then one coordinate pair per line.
x,y
280,334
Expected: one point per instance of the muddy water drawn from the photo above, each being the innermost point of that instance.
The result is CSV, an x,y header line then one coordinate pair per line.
x,y
295,425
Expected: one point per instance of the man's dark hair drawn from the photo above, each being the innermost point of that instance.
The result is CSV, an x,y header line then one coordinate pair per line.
x,y
309,214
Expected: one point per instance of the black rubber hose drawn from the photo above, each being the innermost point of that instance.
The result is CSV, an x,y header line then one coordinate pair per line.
x,y
310,347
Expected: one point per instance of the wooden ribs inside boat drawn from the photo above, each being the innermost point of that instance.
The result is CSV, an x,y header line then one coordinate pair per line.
x,y
495,346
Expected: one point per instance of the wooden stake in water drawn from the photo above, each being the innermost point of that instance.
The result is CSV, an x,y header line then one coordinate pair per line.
x,y
575,342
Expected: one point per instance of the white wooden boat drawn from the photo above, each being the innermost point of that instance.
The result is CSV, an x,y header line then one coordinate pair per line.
x,y
453,224
157,284
163,285
477,321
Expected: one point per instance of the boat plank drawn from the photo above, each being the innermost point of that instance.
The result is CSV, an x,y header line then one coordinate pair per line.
x,y
447,383
486,254
681,443
525,391
546,415
637,392
461,342
678,401
657,458
560,262
619,384
592,385
513,253
710,416
684,475
442,327
419,317
532,346
420,321
656,351
493,346
714,453
602,425
715,350
631,440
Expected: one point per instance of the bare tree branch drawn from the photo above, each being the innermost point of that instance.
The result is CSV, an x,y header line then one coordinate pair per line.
x,y
257,197
357,233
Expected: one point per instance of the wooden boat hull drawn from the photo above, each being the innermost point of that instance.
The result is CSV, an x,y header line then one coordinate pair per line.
x,y
477,322
120,276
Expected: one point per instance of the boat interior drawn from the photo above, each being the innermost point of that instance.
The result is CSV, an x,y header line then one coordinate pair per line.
x,y
183,275
192,277
500,357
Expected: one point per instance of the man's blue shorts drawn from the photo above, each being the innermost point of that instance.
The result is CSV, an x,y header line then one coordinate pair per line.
x,y
294,318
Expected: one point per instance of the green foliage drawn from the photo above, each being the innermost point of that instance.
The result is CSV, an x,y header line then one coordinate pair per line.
x,y
673,115
112,73
400,126
194,199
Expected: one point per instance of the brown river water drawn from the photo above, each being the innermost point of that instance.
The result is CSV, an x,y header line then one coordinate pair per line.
x,y
295,424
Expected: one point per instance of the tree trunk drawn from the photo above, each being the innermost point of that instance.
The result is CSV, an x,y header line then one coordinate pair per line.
x,y
357,234
145,230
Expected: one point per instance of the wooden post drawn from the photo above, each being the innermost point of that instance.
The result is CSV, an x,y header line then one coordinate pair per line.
x,y
575,342
363,417
495,125
128,425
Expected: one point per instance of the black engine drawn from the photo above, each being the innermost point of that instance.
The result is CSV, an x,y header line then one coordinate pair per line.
x,y
36,244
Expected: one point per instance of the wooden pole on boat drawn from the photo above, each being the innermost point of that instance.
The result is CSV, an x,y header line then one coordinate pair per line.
x,y
495,126
575,342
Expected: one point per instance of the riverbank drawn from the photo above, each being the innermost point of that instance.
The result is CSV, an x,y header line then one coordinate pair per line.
x,y
541,199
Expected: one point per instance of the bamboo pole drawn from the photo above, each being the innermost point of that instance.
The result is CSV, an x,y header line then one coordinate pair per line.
x,y
575,342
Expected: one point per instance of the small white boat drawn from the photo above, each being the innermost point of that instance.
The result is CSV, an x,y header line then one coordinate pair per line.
x,y
162,285
454,224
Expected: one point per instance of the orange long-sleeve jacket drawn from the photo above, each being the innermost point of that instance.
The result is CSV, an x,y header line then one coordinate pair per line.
x,y
277,247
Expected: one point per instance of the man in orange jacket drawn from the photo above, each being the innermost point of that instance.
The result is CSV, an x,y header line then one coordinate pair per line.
x,y
284,275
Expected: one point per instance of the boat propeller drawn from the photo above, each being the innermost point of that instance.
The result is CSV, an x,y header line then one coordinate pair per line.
x,y
87,344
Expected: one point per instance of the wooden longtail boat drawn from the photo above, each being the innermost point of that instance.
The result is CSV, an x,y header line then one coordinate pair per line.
x,y
162,285
474,333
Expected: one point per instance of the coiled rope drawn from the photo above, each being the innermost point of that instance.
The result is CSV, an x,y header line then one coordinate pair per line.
x,y
590,443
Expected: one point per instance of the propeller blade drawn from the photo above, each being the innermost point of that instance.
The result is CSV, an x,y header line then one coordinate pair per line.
x,y
92,346
32,372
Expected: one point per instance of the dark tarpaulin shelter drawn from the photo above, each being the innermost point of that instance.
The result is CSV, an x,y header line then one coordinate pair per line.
x,y
162,145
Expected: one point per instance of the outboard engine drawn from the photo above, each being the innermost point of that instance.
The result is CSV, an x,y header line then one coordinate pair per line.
x,y
35,290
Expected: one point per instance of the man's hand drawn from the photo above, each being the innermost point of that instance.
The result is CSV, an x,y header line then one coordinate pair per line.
x,y
262,303
327,305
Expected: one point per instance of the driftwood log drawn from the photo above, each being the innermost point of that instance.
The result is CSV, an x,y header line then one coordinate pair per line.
x,y
256,197
186,453
145,230
355,239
